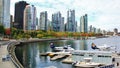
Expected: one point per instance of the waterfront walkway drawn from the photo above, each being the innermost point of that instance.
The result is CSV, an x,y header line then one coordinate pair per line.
x,y
5,63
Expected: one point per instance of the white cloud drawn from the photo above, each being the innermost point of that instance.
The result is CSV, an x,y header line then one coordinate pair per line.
x,y
104,14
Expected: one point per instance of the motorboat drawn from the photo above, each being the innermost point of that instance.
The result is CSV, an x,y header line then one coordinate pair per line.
x,y
67,48
86,63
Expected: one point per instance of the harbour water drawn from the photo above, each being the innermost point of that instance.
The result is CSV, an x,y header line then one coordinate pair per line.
x,y
29,54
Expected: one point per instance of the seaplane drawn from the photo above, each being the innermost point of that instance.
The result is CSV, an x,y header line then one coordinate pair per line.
x,y
103,48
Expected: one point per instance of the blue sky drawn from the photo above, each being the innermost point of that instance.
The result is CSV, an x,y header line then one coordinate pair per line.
x,y
104,14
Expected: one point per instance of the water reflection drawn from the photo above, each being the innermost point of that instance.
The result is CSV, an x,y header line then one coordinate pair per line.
x,y
83,45
31,58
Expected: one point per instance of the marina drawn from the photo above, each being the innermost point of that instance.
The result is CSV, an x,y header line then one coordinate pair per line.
x,y
88,59
39,53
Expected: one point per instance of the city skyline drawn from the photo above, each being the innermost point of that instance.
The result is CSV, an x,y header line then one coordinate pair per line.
x,y
101,14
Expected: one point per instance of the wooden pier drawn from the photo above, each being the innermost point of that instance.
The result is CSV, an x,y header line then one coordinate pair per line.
x,y
68,60
58,57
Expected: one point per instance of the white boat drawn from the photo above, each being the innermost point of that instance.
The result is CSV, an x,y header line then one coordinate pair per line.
x,y
87,63
95,59
67,48
64,48
103,48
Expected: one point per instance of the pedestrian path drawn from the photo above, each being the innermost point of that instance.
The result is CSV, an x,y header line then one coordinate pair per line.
x,y
5,61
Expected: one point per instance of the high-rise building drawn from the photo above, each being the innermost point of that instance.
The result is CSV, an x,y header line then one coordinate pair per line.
x,y
94,30
76,30
62,24
104,32
43,21
90,28
83,24
70,25
115,31
5,13
57,22
49,25
11,21
19,14
30,18
98,30
37,21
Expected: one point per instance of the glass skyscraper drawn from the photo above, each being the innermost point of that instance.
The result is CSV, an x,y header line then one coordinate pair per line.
x,y
71,24
57,22
19,14
43,21
84,24
30,18
5,13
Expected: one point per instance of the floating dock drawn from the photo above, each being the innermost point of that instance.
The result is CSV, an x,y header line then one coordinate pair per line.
x,y
57,57
68,61
79,55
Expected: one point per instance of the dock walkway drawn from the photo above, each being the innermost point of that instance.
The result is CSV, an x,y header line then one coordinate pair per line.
x,y
58,57
68,60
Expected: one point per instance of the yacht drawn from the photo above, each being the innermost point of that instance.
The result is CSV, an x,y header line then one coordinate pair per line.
x,y
61,49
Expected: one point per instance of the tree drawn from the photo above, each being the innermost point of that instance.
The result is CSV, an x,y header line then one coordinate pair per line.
x,y
7,31
39,35
2,29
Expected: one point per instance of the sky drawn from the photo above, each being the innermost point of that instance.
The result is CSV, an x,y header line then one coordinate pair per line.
x,y
104,14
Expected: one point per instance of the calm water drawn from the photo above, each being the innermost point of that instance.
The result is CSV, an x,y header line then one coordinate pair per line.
x,y
29,54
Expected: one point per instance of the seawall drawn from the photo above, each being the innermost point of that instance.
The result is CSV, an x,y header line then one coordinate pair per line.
x,y
13,43
11,50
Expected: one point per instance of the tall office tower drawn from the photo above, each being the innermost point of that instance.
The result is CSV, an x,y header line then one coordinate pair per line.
x,y
76,26
29,18
70,26
98,30
43,21
49,25
94,29
5,13
19,14
37,21
62,24
11,21
37,24
90,28
57,24
83,24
